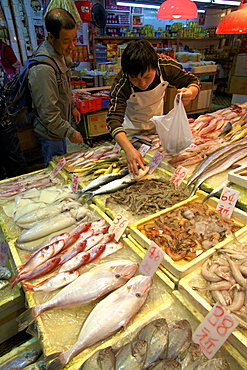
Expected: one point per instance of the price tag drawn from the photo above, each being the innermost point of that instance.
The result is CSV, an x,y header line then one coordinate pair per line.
x,y
155,161
118,226
75,181
117,148
179,175
58,167
191,146
143,149
3,251
227,201
151,260
214,330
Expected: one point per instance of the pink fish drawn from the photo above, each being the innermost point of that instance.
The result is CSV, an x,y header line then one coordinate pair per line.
x,y
54,282
93,240
72,251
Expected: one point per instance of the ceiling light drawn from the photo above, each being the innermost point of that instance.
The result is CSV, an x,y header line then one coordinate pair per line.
x,y
220,2
137,5
177,9
235,22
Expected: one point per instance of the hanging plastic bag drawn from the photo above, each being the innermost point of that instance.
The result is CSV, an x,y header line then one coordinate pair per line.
x,y
173,128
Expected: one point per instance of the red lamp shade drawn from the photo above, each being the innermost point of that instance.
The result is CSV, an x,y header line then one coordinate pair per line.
x,y
177,9
235,22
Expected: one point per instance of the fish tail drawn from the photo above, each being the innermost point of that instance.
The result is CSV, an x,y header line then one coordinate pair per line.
x,y
29,287
88,196
56,364
25,319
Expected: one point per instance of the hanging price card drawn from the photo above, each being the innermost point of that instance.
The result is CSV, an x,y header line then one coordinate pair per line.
x,y
179,175
75,181
155,161
3,251
118,226
58,167
214,330
227,201
151,260
117,148
143,149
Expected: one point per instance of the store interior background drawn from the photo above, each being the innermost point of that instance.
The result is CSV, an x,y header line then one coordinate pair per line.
x,y
22,26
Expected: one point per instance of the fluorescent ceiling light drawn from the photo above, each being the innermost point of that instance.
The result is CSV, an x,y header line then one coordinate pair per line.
x,y
201,11
137,5
219,2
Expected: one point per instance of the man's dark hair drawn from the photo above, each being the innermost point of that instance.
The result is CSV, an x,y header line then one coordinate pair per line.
x,y
139,57
56,19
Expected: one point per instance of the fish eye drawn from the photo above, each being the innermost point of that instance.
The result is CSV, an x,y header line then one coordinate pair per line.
x,y
138,295
117,276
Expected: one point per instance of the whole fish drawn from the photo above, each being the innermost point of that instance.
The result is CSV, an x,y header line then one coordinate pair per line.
x,y
132,355
110,248
108,316
75,262
166,365
87,287
214,364
180,334
53,224
118,184
3,284
5,273
39,365
104,359
102,180
20,362
156,335
194,357
54,282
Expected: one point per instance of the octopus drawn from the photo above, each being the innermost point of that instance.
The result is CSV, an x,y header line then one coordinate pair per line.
x,y
187,231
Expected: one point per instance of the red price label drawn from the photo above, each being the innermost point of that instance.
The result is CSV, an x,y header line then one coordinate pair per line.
x,y
214,330
227,201
155,161
118,226
151,260
58,167
179,175
75,182
143,149
3,251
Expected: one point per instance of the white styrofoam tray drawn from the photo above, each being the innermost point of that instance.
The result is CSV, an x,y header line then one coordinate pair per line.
x,y
237,177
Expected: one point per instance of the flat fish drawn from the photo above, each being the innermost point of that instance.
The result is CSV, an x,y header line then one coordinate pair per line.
x,y
87,287
104,359
166,365
5,273
180,334
21,361
132,355
194,357
106,318
214,364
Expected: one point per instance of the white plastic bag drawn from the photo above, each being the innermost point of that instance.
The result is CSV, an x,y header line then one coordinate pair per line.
x,y
173,128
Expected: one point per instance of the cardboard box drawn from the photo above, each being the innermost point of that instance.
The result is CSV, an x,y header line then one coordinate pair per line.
x,y
96,123
238,85
241,65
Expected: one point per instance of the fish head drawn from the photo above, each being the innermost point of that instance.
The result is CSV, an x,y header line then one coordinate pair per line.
x,y
139,285
125,271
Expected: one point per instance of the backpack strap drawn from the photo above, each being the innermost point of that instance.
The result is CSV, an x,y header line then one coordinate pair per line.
x,y
45,59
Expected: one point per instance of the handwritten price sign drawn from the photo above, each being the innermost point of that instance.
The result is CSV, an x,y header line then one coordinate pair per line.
x,y
214,330
3,251
179,175
118,226
75,181
227,201
157,158
151,260
143,149
58,167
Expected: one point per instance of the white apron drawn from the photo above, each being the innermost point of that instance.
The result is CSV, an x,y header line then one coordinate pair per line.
x,y
141,106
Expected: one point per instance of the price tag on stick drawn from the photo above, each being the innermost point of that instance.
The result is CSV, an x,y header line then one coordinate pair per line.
x,y
75,181
214,330
58,167
3,251
143,149
155,161
151,260
118,226
179,175
227,202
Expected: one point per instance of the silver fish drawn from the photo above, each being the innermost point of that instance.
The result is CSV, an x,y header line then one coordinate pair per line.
x,y
104,359
20,362
53,224
156,335
39,365
102,180
213,193
118,184
108,316
5,273
193,358
214,364
166,365
87,287
180,334
132,355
